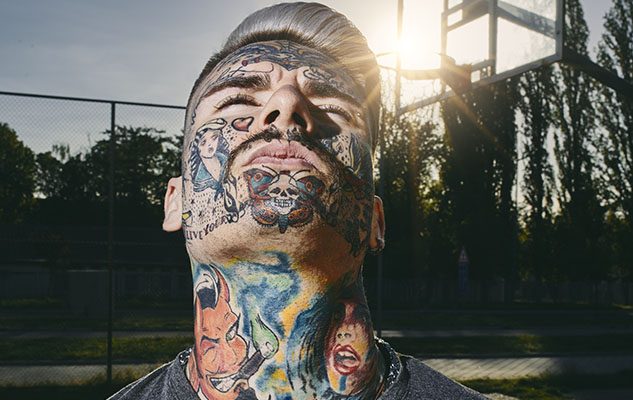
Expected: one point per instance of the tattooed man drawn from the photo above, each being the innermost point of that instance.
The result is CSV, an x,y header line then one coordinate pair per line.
x,y
276,201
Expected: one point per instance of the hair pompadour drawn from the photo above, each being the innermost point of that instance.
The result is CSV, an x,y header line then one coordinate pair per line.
x,y
316,26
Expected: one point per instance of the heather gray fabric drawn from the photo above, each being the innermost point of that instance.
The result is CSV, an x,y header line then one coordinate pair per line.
x,y
416,381
419,381
166,382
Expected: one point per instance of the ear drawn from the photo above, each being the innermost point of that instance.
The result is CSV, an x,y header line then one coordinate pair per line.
x,y
377,224
173,205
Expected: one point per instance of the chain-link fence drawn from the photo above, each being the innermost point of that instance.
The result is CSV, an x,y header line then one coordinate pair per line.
x,y
85,269
92,290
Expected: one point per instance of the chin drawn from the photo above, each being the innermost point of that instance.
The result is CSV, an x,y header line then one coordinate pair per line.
x,y
315,243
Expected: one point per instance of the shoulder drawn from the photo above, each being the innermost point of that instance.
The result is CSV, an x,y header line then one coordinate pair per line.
x,y
419,381
166,382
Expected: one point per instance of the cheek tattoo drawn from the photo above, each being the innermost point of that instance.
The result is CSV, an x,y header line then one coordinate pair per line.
x,y
273,197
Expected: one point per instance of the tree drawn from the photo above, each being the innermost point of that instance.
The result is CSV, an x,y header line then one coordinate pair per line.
x,y
537,89
17,169
615,53
478,176
580,224
76,187
48,177
144,159
410,157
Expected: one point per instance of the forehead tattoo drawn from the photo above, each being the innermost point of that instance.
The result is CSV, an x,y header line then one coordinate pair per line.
x,y
324,74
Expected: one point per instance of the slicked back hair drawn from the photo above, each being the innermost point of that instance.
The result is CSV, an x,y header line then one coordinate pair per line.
x,y
316,26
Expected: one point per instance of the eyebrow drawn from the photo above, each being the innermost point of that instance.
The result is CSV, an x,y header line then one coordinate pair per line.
x,y
257,82
321,89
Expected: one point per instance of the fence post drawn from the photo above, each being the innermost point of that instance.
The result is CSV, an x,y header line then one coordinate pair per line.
x,y
111,237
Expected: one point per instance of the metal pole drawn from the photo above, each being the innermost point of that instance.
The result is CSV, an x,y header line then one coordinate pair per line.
x,y
399,57
492,36
111,238
381,184
379,261
583,63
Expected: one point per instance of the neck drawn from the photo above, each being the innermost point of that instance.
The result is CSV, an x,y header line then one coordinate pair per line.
x,y
270,328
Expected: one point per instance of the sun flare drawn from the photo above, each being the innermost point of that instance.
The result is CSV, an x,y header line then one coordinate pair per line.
x,y
421,36
417,54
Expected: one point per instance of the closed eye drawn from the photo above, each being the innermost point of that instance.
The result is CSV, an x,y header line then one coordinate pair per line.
x,y
334,109
236,99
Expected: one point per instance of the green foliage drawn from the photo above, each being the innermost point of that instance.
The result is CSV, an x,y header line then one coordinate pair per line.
x,y
579,226
144,160
537,89
523,345
478,176
615,53
75,188
17,170
410,157
137,350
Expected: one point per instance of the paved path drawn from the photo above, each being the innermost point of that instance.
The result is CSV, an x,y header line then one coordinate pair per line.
x,y
613,394
29,375
456,368
512,368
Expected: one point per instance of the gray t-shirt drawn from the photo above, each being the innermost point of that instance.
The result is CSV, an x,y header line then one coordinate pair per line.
x,y
415,380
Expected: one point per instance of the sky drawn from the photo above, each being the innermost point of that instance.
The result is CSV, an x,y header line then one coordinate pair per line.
x,y
152,50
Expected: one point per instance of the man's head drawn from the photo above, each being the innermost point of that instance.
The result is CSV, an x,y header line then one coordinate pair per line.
x,y
315,26
294,94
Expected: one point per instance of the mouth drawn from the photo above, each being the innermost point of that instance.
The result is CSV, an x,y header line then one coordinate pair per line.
x,y
284,154
346,359
224,384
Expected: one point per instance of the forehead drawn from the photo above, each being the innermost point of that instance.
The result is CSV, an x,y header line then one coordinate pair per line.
x,y
288,54
253,58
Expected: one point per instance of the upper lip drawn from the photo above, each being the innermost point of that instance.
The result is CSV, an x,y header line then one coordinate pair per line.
x,y
285,150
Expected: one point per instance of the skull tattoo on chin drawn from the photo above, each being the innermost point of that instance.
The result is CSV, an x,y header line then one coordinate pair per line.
x,y
283,198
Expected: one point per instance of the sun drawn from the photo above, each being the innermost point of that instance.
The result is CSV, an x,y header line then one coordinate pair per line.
x,y
417,55
420,42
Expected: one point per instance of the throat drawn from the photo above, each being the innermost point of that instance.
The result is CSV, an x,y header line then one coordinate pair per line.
x,y
271,329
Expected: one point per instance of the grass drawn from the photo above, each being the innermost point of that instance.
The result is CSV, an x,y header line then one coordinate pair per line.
x,y
508,318
134,350
156,349
513,345
95,388
44,303
63,322
551,387
150,314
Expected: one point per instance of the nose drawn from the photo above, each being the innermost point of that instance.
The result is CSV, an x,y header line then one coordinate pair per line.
x,y
224,360
345,333
286,109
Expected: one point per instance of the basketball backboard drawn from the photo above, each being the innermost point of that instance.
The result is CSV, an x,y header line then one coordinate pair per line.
x,y
486,41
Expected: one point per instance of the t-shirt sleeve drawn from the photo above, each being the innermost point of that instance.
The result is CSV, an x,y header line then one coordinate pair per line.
x,y
167,382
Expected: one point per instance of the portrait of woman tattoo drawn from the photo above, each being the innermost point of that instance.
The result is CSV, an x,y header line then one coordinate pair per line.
x,y
209,151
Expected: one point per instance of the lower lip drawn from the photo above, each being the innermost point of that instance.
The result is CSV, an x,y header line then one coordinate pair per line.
x,y
291,163
345,369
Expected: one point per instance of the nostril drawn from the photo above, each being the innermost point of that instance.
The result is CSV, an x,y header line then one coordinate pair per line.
x,y
270,118
299,120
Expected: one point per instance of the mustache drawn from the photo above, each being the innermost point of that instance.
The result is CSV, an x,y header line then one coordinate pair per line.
x,y
296,135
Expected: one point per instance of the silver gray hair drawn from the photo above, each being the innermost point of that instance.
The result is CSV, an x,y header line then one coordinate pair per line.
x,y
316,26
